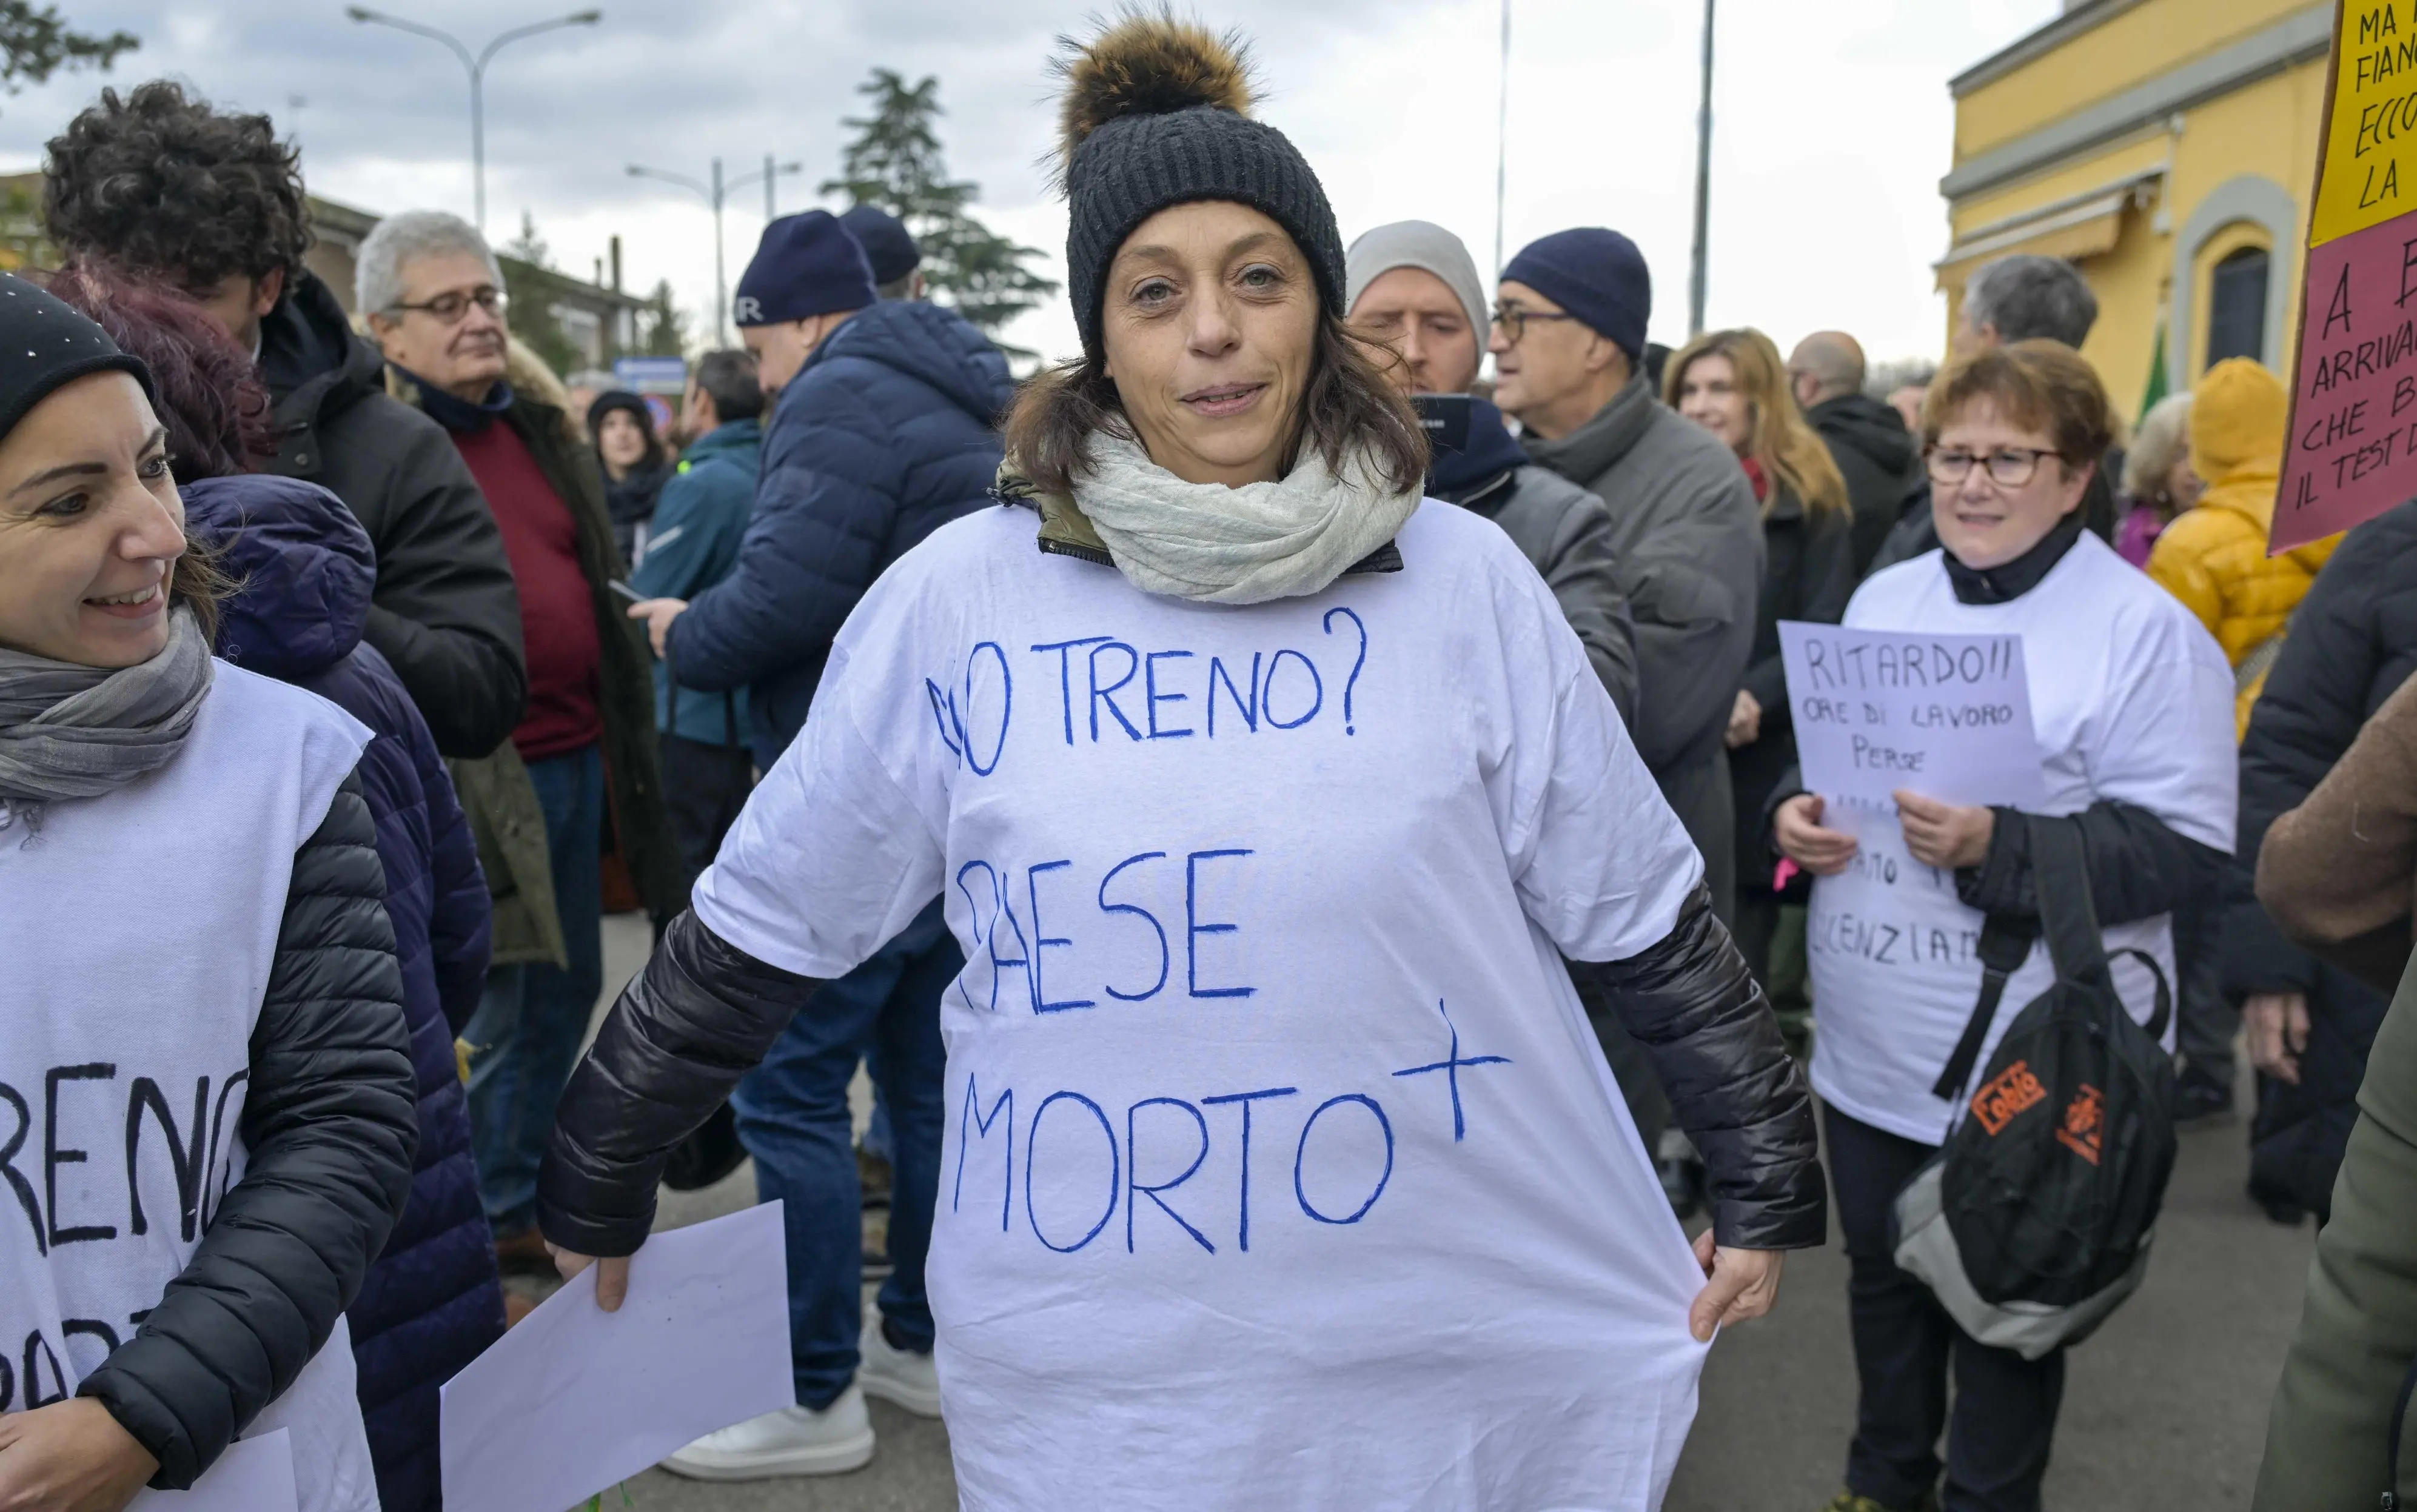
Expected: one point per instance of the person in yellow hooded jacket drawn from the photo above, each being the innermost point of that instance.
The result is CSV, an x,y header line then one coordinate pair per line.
x,y
2214,557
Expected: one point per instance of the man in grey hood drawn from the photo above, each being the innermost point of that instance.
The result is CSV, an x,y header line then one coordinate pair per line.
x,y
1413,288
1688,534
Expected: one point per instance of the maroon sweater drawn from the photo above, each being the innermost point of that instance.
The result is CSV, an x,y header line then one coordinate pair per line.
x,y
558,608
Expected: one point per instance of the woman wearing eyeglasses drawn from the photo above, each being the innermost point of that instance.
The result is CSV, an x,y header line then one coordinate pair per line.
x,y
2132,714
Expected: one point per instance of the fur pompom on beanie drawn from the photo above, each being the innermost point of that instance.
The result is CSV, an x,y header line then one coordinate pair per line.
x,y
1156,113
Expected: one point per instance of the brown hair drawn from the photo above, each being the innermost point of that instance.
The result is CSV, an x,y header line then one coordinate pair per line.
x,y
198,582
1347,406
2041,385
1777,435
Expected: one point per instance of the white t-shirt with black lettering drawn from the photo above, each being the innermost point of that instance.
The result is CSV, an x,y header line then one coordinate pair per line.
x,y
1281,1169
2131,701
137,932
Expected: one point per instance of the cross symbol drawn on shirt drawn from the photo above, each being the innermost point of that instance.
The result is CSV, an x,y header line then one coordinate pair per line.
x,y
1451,1066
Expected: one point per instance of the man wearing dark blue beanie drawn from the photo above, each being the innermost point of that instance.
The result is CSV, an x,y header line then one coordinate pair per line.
x,y
885,429
891,248
808,274
1568,332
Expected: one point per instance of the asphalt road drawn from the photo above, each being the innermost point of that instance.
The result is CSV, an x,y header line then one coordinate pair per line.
x,y
2166,1407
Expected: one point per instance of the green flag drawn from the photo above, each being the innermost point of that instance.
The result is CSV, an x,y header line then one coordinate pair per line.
x,y
2157,385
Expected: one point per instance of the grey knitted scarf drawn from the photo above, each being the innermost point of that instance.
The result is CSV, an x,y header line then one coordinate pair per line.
x,y
71,732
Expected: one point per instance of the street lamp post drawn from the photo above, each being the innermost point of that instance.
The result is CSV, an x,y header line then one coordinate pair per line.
x,y
1696,273
1501,149
716,194
477,66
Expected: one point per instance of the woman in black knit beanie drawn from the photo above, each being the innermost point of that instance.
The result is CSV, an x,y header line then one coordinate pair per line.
x,y
1281,1169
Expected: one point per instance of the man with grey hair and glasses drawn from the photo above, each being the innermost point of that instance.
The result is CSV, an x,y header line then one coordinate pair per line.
x,y
584,748
209,202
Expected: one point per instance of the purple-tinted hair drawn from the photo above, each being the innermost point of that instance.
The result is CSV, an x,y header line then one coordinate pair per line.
x,y
210,396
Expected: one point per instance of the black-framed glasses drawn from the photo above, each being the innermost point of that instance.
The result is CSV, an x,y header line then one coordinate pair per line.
x,y
2008,467
1514,320
452,306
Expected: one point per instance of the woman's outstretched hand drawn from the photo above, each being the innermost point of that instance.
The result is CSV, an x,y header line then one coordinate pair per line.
x,y
69,1457
612,1274
1738,1284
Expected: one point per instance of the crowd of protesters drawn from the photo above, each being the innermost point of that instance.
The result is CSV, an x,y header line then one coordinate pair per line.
x,y
394,659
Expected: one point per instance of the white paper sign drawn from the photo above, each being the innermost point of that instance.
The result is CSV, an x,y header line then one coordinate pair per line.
x,y
575,1399
1945,715
254,1475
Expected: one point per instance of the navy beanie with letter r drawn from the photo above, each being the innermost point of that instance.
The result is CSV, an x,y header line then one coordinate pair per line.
x,y
806,265
1599,275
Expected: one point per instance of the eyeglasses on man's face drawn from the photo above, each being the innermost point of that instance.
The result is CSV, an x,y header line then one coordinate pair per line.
x,y
453,305
2008,467
1512,321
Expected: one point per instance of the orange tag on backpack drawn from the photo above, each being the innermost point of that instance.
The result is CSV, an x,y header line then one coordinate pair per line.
x,y
2010,1092
2083,1122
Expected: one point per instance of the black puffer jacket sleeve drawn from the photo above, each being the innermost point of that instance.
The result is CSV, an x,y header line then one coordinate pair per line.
x,y
1715,1047
2139,866
695,1020
330,1126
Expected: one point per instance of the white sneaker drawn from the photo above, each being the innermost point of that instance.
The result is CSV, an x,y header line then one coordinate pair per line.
x,y
900,1377
795,1441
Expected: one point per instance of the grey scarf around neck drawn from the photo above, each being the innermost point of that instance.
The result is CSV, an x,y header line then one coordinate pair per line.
x,y
73,732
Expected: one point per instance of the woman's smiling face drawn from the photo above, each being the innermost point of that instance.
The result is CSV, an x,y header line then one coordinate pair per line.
x,y
90,526
1209,329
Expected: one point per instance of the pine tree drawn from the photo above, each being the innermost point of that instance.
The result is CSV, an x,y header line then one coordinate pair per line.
x,y
894,163
35,43
664,332
528,247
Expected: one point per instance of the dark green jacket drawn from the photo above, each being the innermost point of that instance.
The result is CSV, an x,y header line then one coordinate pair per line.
x,y
700,519
2329,1441
495,792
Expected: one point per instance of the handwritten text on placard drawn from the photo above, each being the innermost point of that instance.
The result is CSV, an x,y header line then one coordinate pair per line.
x,y
1945,715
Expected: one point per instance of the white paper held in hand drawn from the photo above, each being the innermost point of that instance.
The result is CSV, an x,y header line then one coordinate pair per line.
x,y
254,1475
1945,715
575,1399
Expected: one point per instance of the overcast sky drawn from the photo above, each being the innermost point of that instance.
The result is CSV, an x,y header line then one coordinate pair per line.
x,y
1832,123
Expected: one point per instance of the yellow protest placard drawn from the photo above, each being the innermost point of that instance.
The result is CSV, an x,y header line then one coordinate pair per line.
x,y
2368,172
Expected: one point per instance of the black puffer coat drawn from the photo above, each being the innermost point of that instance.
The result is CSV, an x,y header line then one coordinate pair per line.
x,y
2352,643
1808,574
704,1012
330,1126
432,1303
446,614
1877,456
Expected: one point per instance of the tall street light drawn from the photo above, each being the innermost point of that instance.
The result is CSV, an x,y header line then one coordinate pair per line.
x,y
1502,146
716,194
478,68
1695,272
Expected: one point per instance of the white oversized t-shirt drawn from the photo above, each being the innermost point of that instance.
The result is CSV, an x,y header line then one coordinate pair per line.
x,y
1281,1169
137,934
2131,701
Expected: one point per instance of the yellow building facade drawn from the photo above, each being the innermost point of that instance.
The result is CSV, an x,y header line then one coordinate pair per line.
x,y
2169,147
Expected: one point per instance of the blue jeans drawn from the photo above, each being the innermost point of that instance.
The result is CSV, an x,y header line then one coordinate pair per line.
x,y
792,1117
524,1038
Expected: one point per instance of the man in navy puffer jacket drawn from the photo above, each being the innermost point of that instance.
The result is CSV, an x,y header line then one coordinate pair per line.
x,y
431,1303
885,429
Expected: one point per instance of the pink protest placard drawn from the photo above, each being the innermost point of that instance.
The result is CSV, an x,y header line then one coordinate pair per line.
x,y
2352,452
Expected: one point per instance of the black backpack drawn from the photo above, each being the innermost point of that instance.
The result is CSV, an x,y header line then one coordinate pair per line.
x,y
2034,1221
